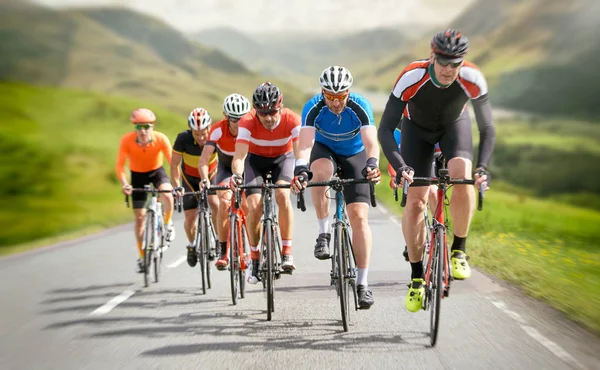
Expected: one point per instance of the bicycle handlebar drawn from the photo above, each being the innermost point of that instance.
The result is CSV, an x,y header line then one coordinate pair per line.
x,y
439,181
300,204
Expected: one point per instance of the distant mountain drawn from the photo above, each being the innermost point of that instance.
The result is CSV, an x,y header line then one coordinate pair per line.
x,y
119,51
300,57
530,52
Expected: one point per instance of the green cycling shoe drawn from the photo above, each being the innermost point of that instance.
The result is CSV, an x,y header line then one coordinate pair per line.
x,y
414,297
460,266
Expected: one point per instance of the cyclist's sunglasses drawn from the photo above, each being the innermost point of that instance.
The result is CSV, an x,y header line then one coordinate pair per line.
x,y
444,63
146,126
267,112
233,119
334,97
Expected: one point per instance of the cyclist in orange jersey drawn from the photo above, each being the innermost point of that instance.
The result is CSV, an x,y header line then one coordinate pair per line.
x,y
145,149
221,142
186,156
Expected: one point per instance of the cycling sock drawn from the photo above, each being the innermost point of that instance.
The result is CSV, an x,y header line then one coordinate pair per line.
x,y
362,277
287,246
140,250
254,252
168,217
223,247
323,225
459,244
417,270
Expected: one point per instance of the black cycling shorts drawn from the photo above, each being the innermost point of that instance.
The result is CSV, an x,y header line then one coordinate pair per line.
x,y
256,168
223,174
191,183
418,145
350,168
140,179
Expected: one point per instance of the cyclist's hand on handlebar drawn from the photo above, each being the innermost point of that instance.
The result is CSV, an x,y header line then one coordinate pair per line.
x,y
371,170
482,176
179,190
127,189
404,173
299,183
204,183
235,181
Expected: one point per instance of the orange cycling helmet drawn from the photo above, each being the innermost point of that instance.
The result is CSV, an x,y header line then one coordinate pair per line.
x,y
142,115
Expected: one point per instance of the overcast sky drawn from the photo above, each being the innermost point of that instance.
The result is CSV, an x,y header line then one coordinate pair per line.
x,y
288,15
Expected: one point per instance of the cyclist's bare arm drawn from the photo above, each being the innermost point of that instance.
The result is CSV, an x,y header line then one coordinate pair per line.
x,y
368,135
167,149
241,152
175,163
207,153
305,144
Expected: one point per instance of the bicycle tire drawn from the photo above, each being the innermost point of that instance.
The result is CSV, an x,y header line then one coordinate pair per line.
x,y
339,271
158,258
437,287
244,249
210,238
147,247
233,261
270,272
202,254
350,267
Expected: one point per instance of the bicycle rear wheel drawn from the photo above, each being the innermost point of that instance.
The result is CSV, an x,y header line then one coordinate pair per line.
x,y
202,252
437,285
233,260
341,275
147,247
270,272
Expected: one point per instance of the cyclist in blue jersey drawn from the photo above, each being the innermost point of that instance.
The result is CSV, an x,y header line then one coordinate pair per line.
x,y
338,130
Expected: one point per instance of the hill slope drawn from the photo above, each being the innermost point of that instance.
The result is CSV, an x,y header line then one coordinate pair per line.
x,y
121,52
60,176
527,49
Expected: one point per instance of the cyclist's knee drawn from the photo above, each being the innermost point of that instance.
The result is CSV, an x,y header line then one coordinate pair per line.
x,y
190,217
358,214
282,197
253,201
322,169
415,204
460,168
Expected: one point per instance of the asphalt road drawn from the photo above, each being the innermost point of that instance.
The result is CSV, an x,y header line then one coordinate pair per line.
x,y
54,315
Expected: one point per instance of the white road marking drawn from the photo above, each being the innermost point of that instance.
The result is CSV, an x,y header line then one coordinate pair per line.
x,y
394,220
112,303
178,262
557,350
382,209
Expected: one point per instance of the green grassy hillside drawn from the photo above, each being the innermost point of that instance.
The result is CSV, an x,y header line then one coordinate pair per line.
x,y
62,146
119,52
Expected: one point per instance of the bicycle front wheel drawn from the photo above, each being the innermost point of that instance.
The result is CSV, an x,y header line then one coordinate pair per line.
x,y
437,285
341,274
157,256
269,250
210,242
243,243
233,257
148,245
202,252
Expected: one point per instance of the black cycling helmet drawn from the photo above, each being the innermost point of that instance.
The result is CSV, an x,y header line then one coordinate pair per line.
x,y
450,45
267,97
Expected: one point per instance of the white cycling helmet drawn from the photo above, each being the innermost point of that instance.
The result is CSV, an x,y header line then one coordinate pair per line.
x,y
236,105
199,119
336,79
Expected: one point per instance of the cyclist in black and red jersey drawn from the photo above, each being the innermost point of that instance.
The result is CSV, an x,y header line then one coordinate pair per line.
x,y
432,95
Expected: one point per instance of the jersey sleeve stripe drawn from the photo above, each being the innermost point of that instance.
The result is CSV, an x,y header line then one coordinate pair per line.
x,y
313,113
361,113
473,81
405,86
